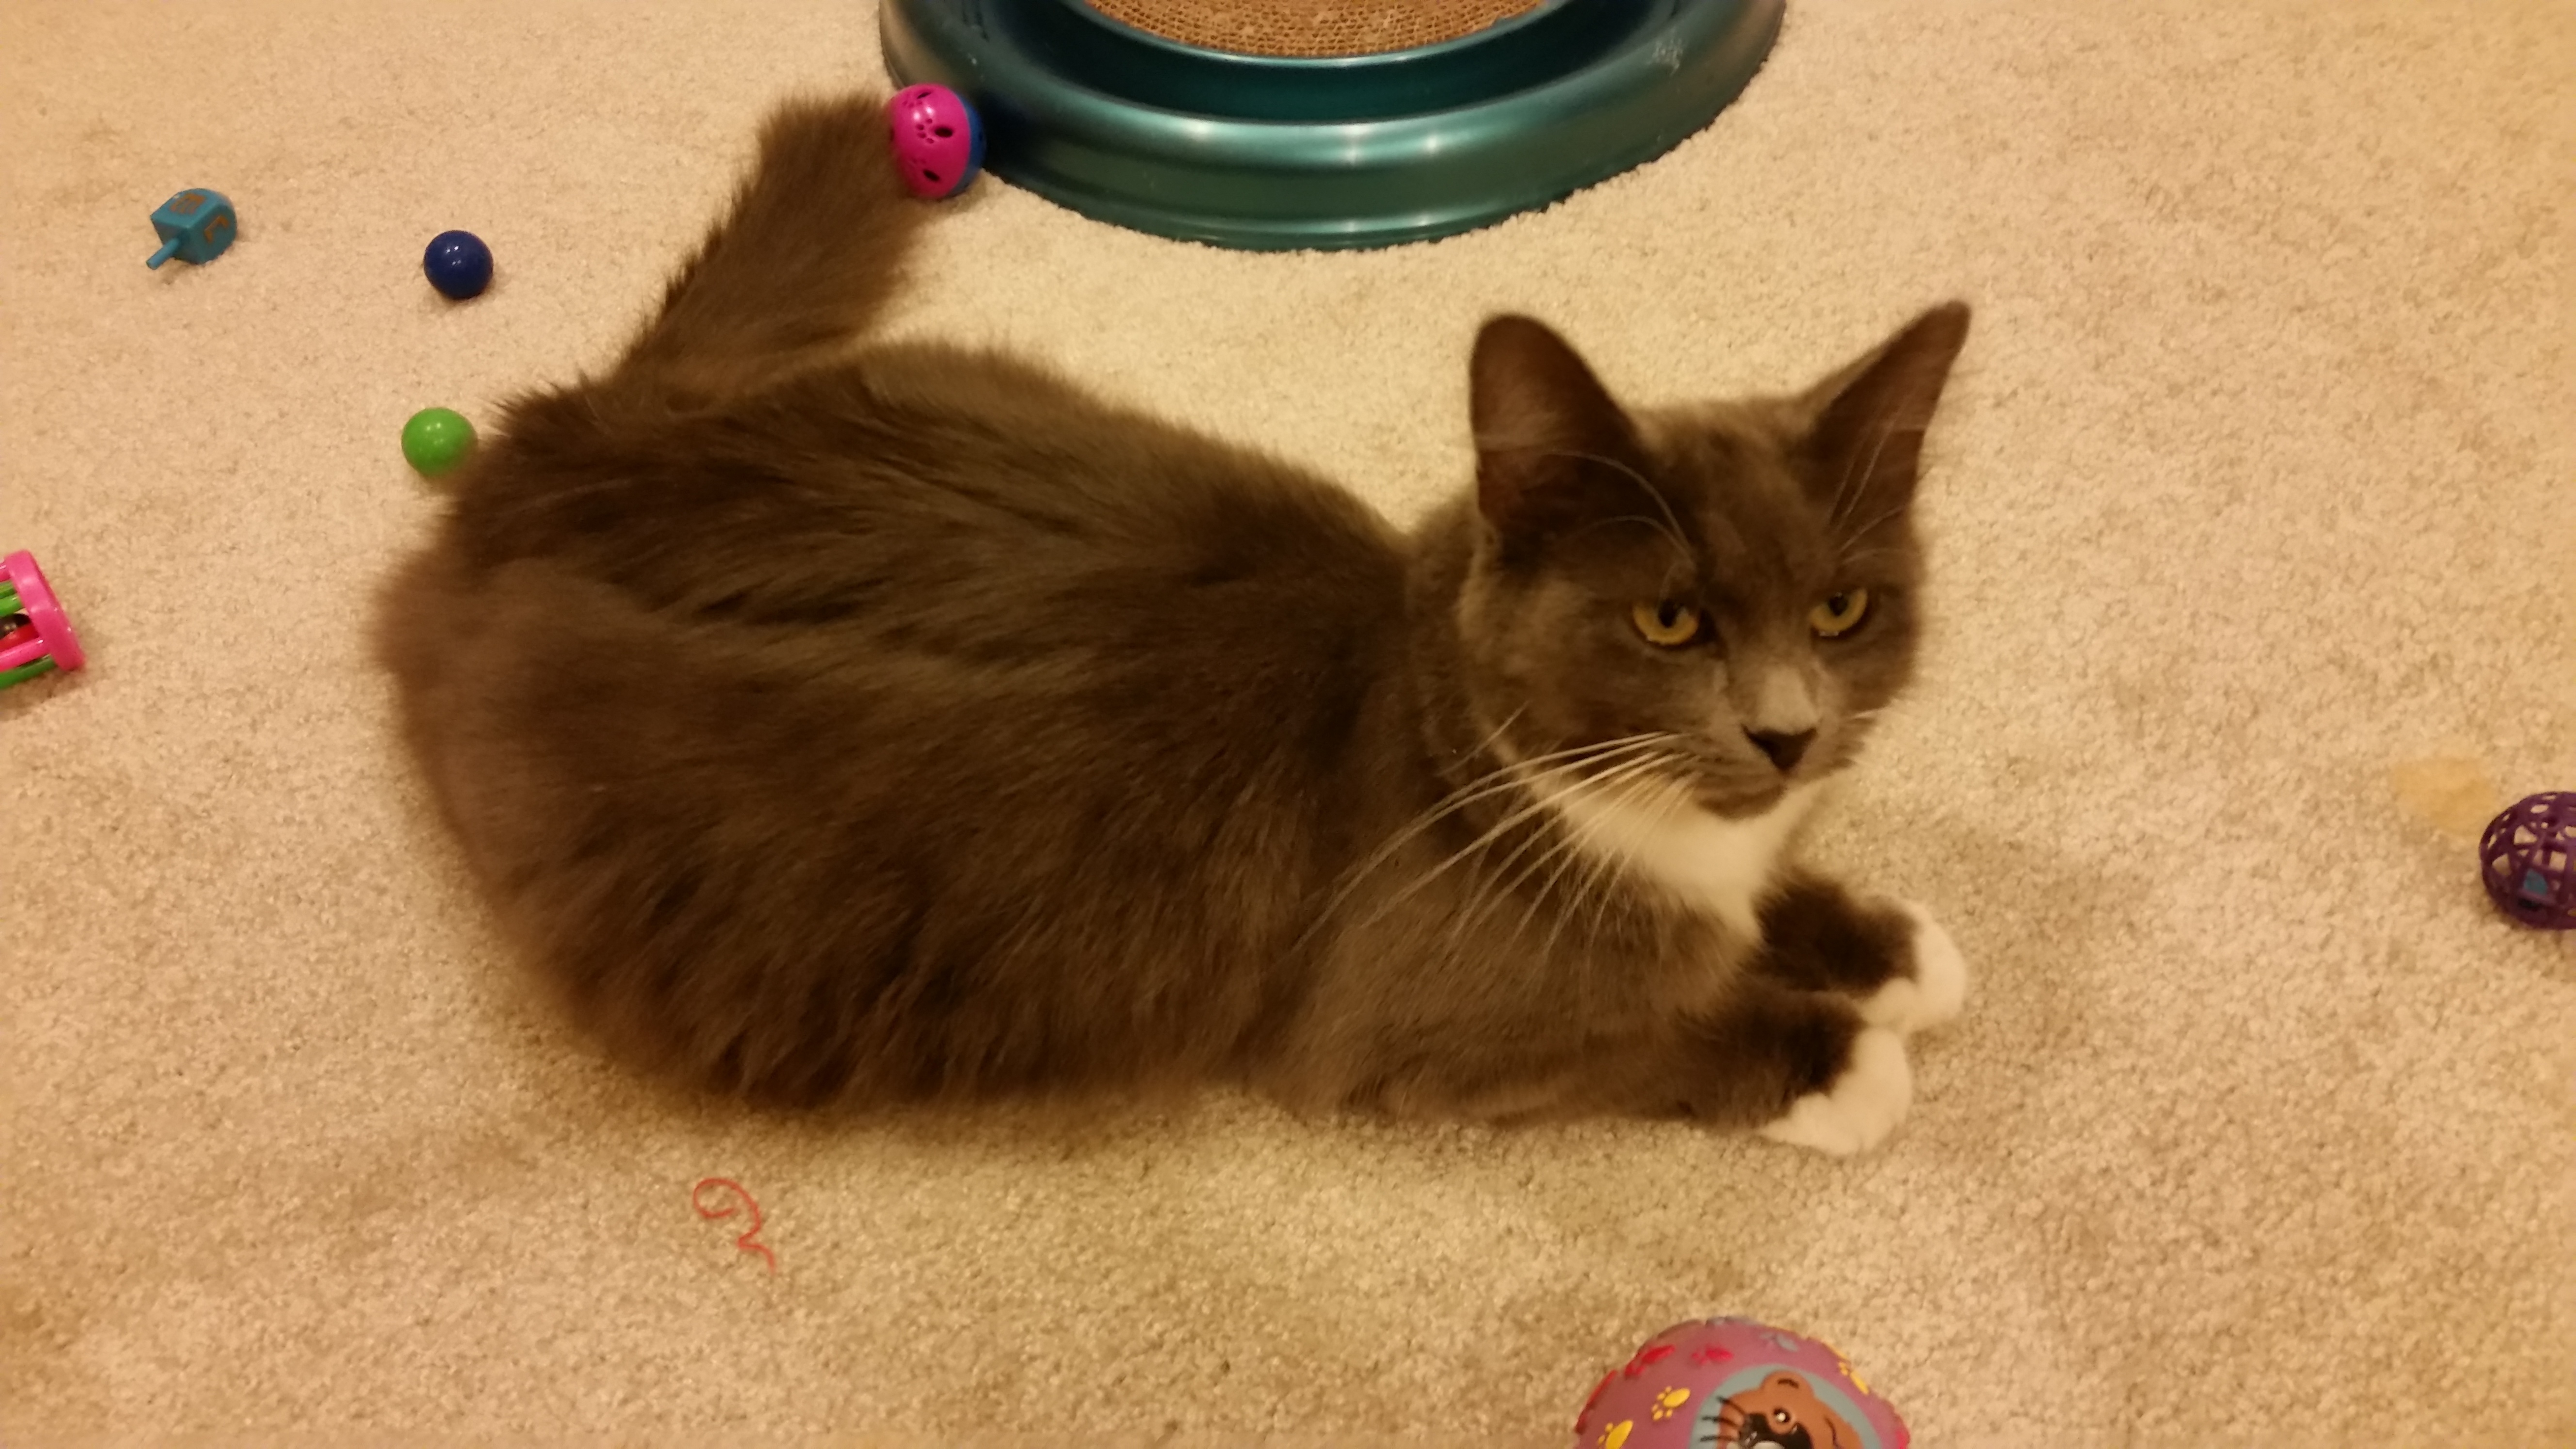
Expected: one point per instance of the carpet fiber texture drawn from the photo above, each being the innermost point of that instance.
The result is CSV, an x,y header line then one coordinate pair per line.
x,y
2253,510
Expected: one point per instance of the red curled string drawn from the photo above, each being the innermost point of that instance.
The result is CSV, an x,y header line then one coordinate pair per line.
x,y
745,1241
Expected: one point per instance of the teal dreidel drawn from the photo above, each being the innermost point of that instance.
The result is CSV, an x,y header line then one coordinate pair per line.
x,y
195,226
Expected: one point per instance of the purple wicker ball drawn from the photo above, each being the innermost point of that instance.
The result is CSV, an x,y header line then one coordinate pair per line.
x,y
2528,860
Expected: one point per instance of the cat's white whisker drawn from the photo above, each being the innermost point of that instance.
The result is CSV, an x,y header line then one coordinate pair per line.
x,y
1593,879
1569,854
1886,430
1487,742
1605,780
1677,533
1488,894
1487,880
1600,872
1511,775
1684,561
1598,749
1503,778
1533,807
1863,531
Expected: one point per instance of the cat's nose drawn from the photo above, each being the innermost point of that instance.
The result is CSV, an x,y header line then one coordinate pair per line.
x,y
1785,750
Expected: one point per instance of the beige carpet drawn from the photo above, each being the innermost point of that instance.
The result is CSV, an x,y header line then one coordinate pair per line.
x,y
2253,519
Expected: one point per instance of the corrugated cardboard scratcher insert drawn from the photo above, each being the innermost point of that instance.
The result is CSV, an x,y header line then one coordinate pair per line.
x,y
1311,27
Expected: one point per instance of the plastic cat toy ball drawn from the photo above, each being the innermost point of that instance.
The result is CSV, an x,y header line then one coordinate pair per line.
x,y
1732,1383
938,140
2528,860
195,226
458,264
35,635
436,440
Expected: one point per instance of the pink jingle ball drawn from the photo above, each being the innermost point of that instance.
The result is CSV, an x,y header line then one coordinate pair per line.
x,y
1732,1383
938,140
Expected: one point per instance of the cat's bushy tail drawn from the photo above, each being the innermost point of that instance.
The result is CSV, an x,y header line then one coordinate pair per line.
x,y
811,249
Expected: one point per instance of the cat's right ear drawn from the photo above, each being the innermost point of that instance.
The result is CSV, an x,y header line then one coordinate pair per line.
x,y
1546,430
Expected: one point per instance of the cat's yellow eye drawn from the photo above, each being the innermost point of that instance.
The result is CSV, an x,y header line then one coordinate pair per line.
x,y
1840,614
1666,625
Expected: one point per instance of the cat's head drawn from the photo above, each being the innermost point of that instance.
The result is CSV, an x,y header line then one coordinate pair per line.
x,y
1731,587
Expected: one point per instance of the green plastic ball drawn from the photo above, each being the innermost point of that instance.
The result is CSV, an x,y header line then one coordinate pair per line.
x,y
436,440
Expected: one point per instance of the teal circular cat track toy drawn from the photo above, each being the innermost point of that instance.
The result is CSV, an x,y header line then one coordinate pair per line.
x,y
1275,152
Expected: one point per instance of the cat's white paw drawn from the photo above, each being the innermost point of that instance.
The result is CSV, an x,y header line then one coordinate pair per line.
x,y
1934,994
1862,1106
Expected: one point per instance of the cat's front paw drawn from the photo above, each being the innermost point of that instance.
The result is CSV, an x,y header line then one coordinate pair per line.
x,y
1933,988
1862,1104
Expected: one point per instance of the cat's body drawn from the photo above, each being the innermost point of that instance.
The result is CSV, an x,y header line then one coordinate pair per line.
x,y
912,725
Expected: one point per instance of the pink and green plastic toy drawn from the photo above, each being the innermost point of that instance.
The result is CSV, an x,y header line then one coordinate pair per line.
x,y
35,636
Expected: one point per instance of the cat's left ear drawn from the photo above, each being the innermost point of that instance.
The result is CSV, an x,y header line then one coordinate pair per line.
x,y
1866,444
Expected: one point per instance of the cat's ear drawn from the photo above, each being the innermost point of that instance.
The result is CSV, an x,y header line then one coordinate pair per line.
x,y
1866,442
1546,431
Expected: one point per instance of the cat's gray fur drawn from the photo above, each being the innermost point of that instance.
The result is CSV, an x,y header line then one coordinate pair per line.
x,y
908,723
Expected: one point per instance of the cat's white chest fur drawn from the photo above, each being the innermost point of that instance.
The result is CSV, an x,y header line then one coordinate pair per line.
x,y
1722,866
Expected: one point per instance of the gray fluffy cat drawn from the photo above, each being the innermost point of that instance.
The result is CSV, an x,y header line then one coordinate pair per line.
x,y
904,723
